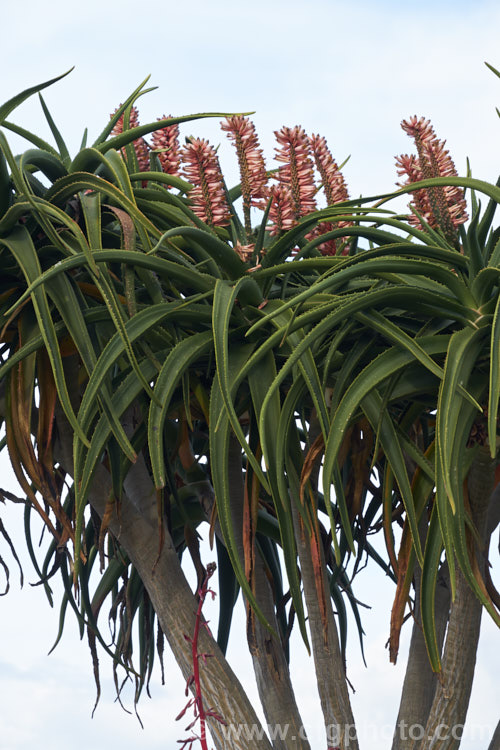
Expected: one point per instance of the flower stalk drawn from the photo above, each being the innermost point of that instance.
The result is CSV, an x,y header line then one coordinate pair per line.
x,y
442,207
297,171
166,143
334,187
281,213
201,168
253,174
141,147
201,714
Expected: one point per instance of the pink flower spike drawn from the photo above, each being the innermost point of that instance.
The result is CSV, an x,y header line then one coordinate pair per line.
x,y
407,165
331,176
166,143
201,168
420,129
281,212
253,175
442,206
335,190
245,252
297,173
141,148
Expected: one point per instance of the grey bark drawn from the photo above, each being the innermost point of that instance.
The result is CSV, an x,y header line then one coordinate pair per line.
x,y
330,674
269,661
451,700
137,531
495,740
420,681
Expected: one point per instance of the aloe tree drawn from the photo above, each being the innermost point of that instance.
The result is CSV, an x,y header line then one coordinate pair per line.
x,y
167,362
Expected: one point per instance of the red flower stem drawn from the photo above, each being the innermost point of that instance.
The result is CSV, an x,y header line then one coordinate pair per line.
x,y
196,660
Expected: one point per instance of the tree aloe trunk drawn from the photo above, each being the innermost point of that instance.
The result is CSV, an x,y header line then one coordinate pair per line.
x,y
420,681
495,740
136,528
175,606
270,665
330,674
451,699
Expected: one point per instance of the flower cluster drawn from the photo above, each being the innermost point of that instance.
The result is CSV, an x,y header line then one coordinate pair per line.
x,y
141,147
297,173
201,168
166,143
442,207
290,199
253,174
245,252
334,187
332,178
281,213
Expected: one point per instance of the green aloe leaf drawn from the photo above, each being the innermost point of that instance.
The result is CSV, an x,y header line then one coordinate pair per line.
x,y
128,136
136,328
259,379
10,105
228,593
75,182
462,354
5,187
393,450
494,384
432,558
20,244
139,91
224,255
224,300
64,297
361,394
86,463
178,271
176,364
63,150
31,137
220,430
342,274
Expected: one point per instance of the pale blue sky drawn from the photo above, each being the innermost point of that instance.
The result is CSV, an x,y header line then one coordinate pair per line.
x,y
348,70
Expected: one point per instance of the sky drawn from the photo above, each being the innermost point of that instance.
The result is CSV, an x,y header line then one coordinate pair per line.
x,y
350,71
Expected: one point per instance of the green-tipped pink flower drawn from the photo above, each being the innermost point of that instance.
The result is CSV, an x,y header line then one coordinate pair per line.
x,y
281,212
141,148
253,175
201,168
442,207
335,190
297,172
166,143
245,252
332,178
407,166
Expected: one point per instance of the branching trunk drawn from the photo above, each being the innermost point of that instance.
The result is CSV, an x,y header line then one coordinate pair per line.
x,y
495,740
137,531
420,681
175,606
330,674
451,700
269,661
328,662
